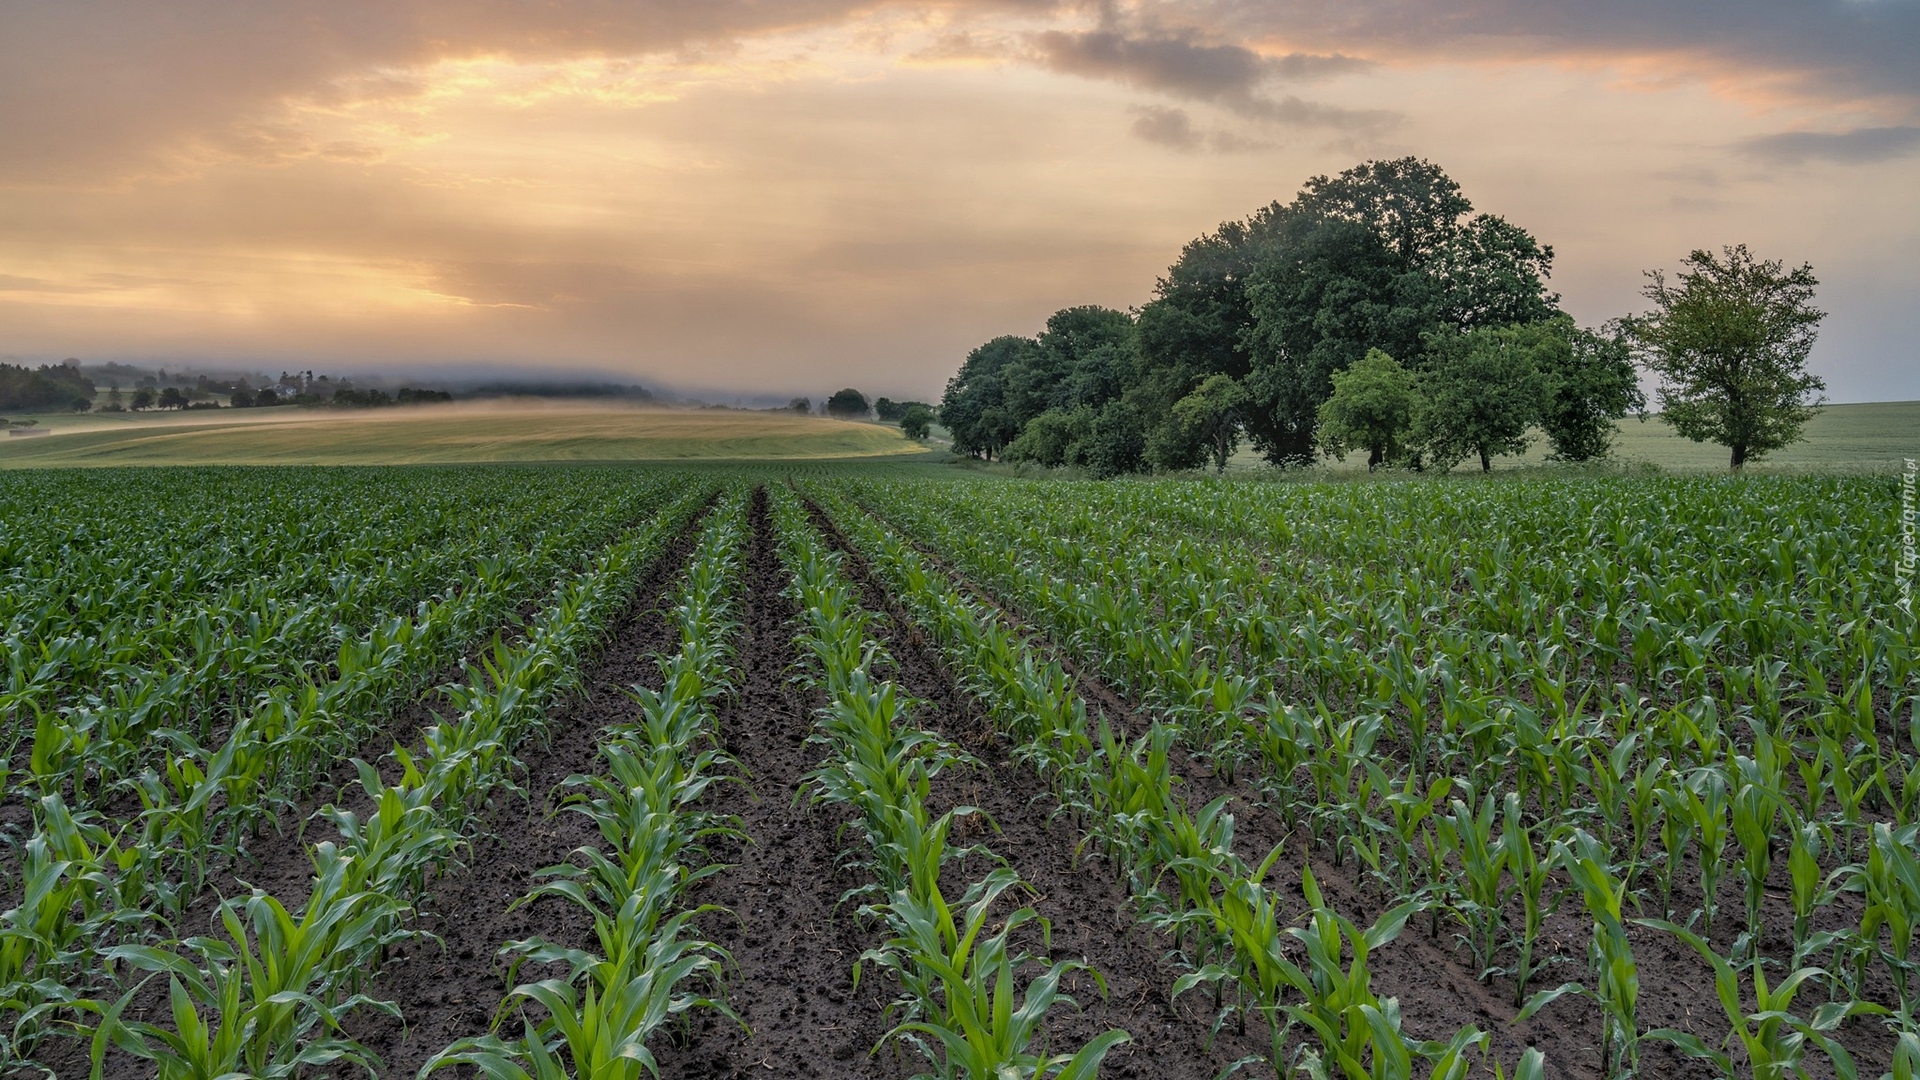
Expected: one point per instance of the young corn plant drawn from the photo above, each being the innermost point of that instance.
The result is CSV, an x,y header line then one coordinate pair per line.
x,y
1483,864
268,1000
1890,880
599,1030
1616,986
1531,877
1773,1040
970,1024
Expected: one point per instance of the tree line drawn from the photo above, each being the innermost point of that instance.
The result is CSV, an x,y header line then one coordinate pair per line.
x,y
51,386
1377,313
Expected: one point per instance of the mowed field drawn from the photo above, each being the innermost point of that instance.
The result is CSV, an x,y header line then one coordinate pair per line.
x,y
800,771
529,431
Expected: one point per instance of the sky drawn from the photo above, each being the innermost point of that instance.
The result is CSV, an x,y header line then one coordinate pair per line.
x,y
789,196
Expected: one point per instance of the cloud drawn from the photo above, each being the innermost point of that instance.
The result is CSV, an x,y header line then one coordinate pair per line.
x,y
103,91
1861,146
1173,128
1231,76
1166,127
1826,50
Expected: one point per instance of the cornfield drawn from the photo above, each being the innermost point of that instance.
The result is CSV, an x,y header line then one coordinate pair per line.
x,y
630,774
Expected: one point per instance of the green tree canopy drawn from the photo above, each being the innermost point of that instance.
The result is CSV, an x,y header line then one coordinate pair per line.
x,y
51,386
1729,341
1372,408
1480,392
974,408
1589,382
916,421
847,403
1055,437
1380,256
1211,417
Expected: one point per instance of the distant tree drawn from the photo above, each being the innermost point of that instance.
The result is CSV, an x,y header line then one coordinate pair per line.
x,y
1211,417
915,422
848,403
241,398
1589,382
172,398
801,405
1480,392
890,411
1372,408
974,408
50,386
1729,341
142,399
1055,437
266,396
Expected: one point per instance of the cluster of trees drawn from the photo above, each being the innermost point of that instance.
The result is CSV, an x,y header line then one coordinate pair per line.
x,y
51,386
1432,325
914,417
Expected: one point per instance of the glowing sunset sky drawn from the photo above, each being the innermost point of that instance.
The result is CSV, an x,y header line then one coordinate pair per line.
x,y
779,197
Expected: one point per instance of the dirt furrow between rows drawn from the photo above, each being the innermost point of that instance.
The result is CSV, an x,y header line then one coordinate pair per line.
x,y
1437,991
1092,914
449,990
793,943
446,992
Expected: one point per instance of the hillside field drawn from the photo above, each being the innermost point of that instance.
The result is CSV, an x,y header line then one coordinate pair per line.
x,y
525,749
528,431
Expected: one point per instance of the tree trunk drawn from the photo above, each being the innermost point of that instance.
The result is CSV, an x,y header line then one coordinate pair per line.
x,y
1739,454
1375,455
1486,463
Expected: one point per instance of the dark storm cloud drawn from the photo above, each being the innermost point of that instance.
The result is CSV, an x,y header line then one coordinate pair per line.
x,y
1860,146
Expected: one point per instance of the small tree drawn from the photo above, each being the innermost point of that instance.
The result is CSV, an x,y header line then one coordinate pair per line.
x,y
173,398
1211,415
1589,382
1054,438
801,405
916,422
142,399
1729,341
1372,409
848,403
1480,392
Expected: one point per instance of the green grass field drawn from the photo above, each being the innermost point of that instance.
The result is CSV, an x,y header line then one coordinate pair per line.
x,y
529,432
1874,436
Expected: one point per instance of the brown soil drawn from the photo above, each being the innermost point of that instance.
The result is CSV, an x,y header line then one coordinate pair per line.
x,y
446,991
1092,915
793,943
1434,976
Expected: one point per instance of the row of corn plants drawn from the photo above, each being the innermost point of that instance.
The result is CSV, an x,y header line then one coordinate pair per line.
x,y
957,961
1323,1017
89,880
647,966
1436,741
136,636
264,993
